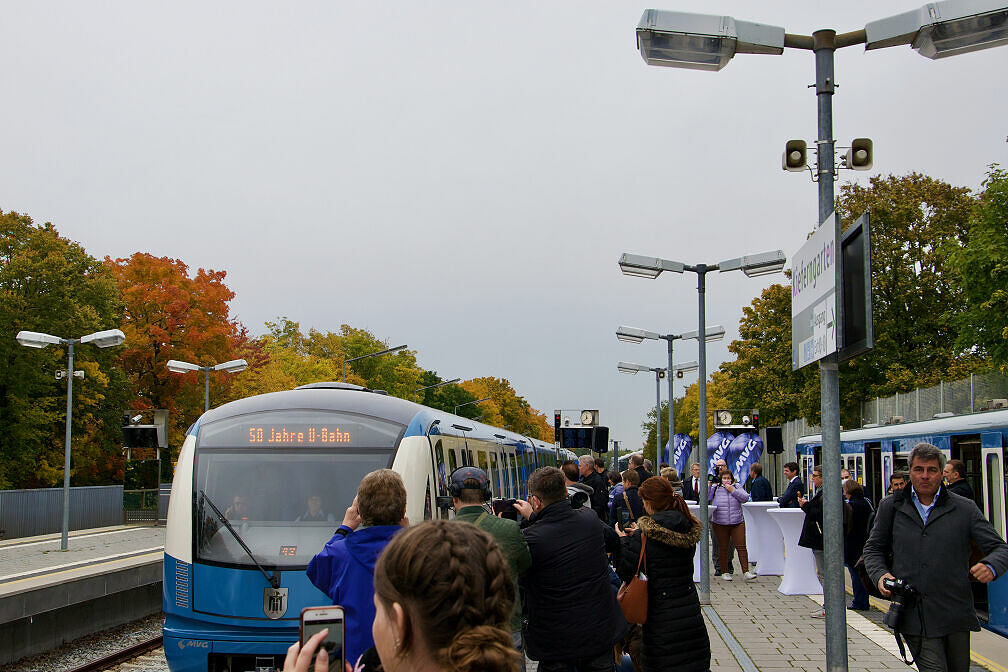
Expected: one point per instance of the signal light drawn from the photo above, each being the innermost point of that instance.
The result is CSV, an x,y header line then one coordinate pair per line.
x,y
860,155
795,158
755,420
556,427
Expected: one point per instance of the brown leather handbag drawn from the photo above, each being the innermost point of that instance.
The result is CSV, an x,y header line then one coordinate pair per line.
x,y
633,596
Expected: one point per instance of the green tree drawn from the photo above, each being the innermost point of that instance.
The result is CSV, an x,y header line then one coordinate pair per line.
x,y
761,375
917,300
50,284
983,267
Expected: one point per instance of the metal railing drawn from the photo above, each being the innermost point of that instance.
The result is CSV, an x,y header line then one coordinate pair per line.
x,y
979,392
27,513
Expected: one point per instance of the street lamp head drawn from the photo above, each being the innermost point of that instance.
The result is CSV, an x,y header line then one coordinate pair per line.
x,y
178,366
755,265
37,339
233,366
702,41
105,339
631,368
686,367
634,335
647,267
711,333
942,29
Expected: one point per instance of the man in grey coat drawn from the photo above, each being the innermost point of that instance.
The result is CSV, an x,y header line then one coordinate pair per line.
x,y
926,531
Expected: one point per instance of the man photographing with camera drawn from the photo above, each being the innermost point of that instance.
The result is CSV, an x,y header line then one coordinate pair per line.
x,y
918,554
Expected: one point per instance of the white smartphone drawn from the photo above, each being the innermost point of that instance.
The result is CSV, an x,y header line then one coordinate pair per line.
x,y
316,619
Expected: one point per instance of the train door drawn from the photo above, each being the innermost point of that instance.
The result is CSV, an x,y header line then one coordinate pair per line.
x,y
967,449
807,461
993,479
875,480
888,466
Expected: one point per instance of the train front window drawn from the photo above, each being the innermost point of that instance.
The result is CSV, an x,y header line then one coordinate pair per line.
x,y
283,481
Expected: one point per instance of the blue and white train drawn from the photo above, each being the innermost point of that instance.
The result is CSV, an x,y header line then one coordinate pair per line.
x,y
980,440
236,548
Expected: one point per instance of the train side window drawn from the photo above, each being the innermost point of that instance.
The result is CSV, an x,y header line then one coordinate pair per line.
x,y
995,492
440,468
428,510
494,476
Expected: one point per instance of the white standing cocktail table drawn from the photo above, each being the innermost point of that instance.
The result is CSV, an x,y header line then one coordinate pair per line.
x,y
799,565
695,510
764,540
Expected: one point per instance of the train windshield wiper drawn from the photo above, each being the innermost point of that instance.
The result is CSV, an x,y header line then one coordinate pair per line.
x,y
274,580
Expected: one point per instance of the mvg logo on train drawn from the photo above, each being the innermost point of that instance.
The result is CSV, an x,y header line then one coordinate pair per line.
x,y
275,602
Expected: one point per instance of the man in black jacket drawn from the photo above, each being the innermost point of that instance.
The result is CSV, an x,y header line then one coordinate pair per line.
x,y
955,476
923,535
795,487
637,464
597,482
573,617
760,489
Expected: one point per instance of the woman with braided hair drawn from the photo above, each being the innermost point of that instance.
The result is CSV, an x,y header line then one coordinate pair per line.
x,y
443,598
674,636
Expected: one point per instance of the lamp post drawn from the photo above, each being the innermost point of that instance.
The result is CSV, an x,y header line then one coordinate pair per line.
x,y
103,339
936,30
632,369
233,366
651,267
431,387
372,354
634,335
477,401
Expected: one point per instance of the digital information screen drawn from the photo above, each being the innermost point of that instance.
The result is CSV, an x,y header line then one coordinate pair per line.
x,y
288,551
300,428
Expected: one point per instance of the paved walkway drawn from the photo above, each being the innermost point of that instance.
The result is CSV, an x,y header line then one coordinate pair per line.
x,y
33,555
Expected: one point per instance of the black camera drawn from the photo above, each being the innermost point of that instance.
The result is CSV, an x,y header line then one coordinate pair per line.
x,y
903,597
711,478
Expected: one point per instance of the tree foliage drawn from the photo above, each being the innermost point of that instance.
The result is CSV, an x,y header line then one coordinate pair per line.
x,y
50,284
983,267
170,315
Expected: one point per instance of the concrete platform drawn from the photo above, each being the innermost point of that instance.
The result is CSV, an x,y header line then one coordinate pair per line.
x,y
762,629
106,577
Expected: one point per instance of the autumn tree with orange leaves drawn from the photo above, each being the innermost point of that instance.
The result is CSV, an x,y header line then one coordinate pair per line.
x,y
171,315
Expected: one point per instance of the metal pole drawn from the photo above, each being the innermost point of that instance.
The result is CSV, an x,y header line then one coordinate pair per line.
x,y
834,600
971,393
344,369
206,388
701,271
671,404
66,450
657,389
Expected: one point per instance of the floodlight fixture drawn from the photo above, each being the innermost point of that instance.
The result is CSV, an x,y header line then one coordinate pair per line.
x,y
178,366
648,267
105,339
942,29
634,335
702,41
233,366
632,369
36,339
711,333
755,265
686,367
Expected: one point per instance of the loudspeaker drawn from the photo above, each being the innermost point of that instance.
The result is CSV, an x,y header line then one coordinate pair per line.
x,y
774,441
600,440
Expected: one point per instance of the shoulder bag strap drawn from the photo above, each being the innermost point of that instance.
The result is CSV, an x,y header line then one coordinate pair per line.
x,y
629,508
642,558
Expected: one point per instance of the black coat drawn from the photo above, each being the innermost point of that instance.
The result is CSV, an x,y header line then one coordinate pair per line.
x,y
572,609
760,491
857,532
600,495
962,488
934,558
789,500
811,531
643,473
674,636
636,504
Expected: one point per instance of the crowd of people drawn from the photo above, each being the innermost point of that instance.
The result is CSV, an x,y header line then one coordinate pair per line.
x,y
483,592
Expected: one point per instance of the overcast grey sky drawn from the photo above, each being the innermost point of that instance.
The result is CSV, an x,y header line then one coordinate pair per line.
x,y
459,176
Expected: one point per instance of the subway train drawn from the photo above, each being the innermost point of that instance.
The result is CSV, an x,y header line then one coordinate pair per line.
x,y
980,440
236,544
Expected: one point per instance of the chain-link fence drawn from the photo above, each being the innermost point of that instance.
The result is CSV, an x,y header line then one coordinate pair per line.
x,y
979,392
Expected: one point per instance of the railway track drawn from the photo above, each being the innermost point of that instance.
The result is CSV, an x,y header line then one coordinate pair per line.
x,y
131,654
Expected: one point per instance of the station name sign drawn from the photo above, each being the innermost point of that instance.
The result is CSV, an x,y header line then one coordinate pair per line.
x,y
814,297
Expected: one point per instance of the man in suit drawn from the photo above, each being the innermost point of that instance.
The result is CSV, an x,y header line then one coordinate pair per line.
x,y
795,487
693,486
955,476
760,490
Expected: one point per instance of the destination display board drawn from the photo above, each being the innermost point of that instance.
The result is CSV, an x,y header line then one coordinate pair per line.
x,y
814,297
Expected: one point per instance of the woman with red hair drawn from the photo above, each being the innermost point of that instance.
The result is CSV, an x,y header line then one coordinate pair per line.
x,y
674,635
